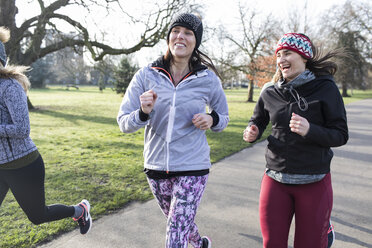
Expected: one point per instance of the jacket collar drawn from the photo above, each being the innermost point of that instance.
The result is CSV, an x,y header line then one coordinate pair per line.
x,y
301,79
301,86
161,65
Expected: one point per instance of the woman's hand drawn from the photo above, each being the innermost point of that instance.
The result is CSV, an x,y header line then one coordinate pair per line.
x,y
250,133
299,125
148,100
202,121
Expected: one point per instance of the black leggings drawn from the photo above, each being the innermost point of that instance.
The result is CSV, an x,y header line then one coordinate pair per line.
x,y
27,186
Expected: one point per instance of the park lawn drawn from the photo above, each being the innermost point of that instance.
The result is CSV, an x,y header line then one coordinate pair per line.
x,y
86,156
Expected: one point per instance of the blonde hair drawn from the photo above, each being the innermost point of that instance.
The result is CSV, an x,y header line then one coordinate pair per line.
x,y
13,71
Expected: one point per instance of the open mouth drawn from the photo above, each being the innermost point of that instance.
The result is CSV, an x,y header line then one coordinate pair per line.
x,y
285,68
179,45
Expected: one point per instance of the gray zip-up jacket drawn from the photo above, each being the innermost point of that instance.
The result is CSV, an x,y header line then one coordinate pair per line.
x,y
15,141
172,142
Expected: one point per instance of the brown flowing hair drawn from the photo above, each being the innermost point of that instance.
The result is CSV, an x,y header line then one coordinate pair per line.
x,y
322,63
197,58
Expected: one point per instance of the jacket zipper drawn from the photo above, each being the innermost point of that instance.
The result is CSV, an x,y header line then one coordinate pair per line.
x,y
10,146
172,113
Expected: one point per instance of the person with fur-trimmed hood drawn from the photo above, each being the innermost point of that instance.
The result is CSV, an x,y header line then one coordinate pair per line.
x,y
21,165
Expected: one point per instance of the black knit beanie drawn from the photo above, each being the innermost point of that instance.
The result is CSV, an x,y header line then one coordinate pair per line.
x,y
191,22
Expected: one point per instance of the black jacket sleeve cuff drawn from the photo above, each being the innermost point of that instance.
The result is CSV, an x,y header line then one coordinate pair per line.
x,y
143,116
215,118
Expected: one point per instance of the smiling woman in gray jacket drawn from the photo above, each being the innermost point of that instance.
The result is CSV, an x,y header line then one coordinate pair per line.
x,y
169,98
21,166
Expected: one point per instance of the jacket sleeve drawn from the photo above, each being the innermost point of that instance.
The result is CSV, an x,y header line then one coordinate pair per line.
x,y
260,116
16,102
218,103
128,117
335,131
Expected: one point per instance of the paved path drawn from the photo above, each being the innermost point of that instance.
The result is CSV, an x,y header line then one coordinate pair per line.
x,y
229,209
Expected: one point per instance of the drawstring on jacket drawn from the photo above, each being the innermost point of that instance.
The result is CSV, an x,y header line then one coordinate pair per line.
x,y
301,101
304,78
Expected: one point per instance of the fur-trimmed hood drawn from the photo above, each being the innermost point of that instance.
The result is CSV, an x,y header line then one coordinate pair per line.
x,y
16,72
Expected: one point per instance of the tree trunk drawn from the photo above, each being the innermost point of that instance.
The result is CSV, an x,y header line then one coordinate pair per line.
x,y
8,11
29,104
344,90
250,91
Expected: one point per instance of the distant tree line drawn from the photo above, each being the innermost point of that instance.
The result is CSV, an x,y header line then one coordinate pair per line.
x,y
31,39
250,50
244,55
67,67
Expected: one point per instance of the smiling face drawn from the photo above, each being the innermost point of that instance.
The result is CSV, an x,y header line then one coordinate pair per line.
x,y
181,42
290,63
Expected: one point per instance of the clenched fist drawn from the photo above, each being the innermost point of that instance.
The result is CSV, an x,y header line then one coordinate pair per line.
x,y
250,133
202,121
148,100
299,124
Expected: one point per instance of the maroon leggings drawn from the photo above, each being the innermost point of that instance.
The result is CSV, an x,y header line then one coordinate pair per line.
x,y
310,203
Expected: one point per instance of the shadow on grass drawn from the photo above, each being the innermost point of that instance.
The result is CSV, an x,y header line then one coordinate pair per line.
x,y
68,90
74,118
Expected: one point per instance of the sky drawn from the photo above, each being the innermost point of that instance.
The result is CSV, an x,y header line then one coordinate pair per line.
x,y
215,13
220,8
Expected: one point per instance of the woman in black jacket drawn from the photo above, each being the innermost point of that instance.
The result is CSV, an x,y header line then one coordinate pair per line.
x,y
308,118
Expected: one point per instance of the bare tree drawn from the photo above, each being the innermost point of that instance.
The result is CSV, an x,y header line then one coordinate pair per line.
x,y
28,41
222,56
296,20
71,68
350,26
254,40
228,76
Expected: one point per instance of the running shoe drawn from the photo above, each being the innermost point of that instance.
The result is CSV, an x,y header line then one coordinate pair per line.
x,y
85,220
331,235
207,243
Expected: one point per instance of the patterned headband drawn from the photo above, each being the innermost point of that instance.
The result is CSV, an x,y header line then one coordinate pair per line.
x,y
296,42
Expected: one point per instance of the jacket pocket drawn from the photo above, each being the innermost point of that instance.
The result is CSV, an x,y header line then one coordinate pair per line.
x,y
275,152
275,144
313,114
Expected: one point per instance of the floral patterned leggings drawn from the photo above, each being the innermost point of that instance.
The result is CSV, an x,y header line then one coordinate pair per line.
x,y
179,198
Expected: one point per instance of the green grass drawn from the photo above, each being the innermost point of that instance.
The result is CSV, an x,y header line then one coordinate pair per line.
x,y
86,156
357,95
